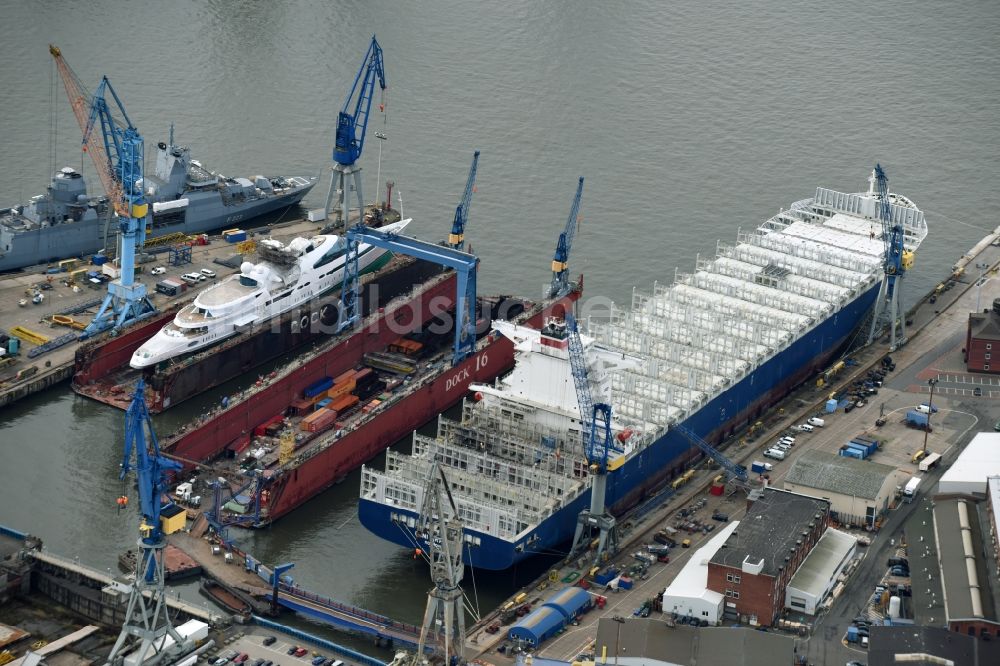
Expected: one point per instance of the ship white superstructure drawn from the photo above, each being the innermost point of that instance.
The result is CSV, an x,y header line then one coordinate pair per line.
x,y
286,277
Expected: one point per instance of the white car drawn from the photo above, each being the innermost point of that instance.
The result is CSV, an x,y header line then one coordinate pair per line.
x,y
805,427
775,453
159,270
208,272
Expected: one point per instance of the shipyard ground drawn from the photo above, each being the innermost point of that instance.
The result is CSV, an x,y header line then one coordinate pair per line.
x,y
57,365
937,334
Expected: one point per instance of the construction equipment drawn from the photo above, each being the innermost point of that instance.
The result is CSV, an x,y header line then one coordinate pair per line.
x,y
147,621
118,157
738,472
463,263
444,617
457,237
560,262
897,259
352,121
597,443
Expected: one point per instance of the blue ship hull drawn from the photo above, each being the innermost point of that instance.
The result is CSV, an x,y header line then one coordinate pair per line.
x,y
665,458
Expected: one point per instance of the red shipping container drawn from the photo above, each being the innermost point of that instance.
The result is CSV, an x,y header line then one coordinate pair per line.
x,y
261,430
301,405
343,403
318,420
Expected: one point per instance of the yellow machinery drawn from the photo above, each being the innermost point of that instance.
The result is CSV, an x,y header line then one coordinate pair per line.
x,y
29,335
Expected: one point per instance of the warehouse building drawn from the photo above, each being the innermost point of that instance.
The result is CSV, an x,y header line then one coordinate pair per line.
x,y
551,617
979,461
982,340
755,564
688,595
890,646
815,579
859,491
648,642
967,568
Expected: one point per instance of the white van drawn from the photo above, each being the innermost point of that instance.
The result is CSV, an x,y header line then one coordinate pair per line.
x,y
805,427
192,278
816,422
775,453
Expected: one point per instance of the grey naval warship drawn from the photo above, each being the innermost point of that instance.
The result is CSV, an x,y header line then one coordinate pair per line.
x,y
186,197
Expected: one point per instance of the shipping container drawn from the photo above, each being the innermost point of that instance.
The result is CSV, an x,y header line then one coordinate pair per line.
x,y
848,452
318,420
300,406
918,419
869,446
344,403
863,450
346,376
341,387
317,387
322,403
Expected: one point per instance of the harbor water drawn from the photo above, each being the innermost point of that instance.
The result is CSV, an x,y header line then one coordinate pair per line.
x,y
688,123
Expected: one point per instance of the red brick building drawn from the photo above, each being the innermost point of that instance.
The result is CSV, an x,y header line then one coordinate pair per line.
x,y
982,341
753,567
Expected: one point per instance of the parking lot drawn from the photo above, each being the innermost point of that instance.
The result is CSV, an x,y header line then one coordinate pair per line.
x,y
283,650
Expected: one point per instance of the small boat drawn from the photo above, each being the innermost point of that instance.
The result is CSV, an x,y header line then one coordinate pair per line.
x,y
224,597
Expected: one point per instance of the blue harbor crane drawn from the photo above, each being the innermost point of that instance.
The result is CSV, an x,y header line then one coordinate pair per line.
x,y
457,237
597,445
560,262
896,261
738,472
463,263
117,152
352,122
146,619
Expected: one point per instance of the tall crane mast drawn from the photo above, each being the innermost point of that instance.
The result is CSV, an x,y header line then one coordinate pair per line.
x,y
352,121
147,621
560,261
457,237
117,152
444,617
597,445
888,308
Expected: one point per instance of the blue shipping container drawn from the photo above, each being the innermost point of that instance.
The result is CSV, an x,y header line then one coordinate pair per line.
x,y
848,452
860,449
318,387
831,406
869,447
322,403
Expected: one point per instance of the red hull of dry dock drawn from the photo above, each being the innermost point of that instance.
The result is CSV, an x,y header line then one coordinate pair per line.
x,y
234,426
295,484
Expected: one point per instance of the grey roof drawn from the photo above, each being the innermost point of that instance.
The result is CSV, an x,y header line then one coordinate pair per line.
x,y
816,572
647,641
770,529
839,474
985,326
967,592
887,642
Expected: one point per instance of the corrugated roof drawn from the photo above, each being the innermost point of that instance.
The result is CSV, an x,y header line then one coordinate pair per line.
x,y
817,570
839,474
538,624
978,461
569,601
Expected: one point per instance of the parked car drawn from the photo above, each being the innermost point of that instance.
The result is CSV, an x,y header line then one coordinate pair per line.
x,y
978,391
159,270
300,651
242,657
293,649
317,660
270,640
208,272
721,517
805,427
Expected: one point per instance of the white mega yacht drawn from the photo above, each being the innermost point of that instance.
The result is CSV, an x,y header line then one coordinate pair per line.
x,y
287,276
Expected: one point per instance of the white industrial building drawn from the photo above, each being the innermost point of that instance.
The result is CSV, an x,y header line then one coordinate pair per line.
x,y
818,573
968,474
689,594
859,491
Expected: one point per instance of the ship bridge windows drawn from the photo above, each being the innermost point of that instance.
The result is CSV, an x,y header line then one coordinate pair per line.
x,y
248,281
332,255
